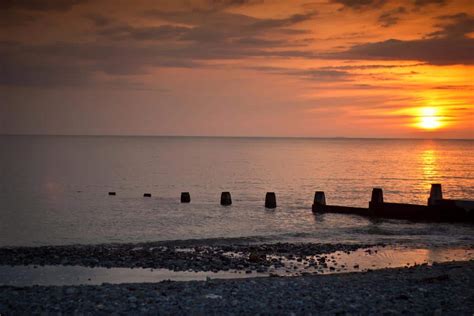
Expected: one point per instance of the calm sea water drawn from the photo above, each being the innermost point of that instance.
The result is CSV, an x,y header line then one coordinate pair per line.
x,y
54,189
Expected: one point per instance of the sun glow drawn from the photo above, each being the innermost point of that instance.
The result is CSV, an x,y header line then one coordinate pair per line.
x,y
429,118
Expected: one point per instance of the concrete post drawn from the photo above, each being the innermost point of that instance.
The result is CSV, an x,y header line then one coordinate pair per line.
x,y
436,194
377,196
376,202
270,200
319,200
185,197
226,198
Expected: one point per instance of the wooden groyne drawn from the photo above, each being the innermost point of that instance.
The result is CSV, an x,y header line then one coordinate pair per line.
x,y
437,208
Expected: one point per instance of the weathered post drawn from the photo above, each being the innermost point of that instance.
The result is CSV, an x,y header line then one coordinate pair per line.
x,y
185,197
112,193
377,196
226,198
436,194
319,201
376,202
270,200
146,194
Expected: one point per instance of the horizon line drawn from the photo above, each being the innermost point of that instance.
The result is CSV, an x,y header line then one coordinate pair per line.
x,y
229,136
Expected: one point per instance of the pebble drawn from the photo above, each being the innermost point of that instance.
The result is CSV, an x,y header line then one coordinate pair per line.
x,y
419,290
171,256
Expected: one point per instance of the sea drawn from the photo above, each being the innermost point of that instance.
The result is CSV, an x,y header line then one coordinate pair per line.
x,y
54,189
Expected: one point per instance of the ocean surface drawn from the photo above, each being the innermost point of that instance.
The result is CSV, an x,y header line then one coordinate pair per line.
x,y
53,189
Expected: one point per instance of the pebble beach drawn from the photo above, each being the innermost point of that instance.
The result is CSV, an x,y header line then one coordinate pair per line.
x,y
441,289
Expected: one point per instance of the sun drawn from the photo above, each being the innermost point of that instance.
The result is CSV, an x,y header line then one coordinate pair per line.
x,y
429,118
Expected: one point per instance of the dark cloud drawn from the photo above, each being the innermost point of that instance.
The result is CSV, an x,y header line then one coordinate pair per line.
x,y
376,4
43,75
442,51
233,2
127,32
223,4
220,26
205,28
66,64
369,66
199,17
454,87
458,25
391,17
325,75
448,46
276,23
39,5
193,38
15,18
255,42
14,13
80,63
422,3
313,74
99,20
361,4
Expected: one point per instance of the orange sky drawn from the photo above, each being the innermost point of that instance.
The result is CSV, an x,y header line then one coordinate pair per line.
x,y
323,68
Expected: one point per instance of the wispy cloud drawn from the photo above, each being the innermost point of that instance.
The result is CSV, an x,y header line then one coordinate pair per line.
x,y
361,4
391,17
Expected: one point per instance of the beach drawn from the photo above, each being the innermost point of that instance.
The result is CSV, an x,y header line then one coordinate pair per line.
x,y
441,289
220,276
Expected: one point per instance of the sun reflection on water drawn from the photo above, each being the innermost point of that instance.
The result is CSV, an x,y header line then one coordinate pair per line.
x,y
429,167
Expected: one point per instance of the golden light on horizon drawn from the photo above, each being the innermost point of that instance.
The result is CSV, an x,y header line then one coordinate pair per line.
x,y
429,118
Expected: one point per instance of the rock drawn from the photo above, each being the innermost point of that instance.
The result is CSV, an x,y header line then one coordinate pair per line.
x,y
257,257
70,291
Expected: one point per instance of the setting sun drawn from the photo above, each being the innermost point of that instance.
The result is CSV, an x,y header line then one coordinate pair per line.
x,y
429,118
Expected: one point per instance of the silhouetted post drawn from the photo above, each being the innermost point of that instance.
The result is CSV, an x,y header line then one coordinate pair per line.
x,y
270,200
319,198
436,194
146,194
226,199
185,197
319,201
376,202
377,196
112,193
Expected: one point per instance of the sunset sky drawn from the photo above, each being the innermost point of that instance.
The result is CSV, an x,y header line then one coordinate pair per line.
x,y
327,68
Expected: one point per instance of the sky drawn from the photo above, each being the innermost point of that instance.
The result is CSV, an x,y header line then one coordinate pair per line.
x,y
321,68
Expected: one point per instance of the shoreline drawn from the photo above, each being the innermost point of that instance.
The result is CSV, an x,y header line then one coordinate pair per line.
x,y
191,260
176,256
439,289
